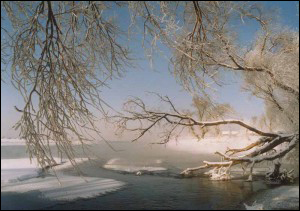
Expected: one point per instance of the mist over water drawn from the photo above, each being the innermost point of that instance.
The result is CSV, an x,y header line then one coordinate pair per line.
x,y
158,187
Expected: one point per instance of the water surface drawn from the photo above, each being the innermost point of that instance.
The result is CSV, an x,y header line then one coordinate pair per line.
x,y
161,190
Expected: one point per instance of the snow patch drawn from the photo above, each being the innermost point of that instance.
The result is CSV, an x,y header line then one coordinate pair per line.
x,y
21,175
254,206
281,198
117,164
66,187
13,170
219,174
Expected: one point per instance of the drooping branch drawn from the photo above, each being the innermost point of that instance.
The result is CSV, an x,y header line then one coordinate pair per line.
x,y
63,53
139,112
266,148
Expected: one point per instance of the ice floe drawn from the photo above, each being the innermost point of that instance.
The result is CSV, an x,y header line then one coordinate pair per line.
x,y
121,165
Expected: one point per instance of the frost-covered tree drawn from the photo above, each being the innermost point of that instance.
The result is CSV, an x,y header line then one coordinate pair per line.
x,y
63,52
59,55
205,40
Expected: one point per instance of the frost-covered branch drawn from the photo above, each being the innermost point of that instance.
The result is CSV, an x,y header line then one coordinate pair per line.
x,y
62,54
260,154
137,111
261,150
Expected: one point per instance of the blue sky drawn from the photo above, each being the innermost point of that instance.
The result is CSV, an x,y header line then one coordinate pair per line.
x,y
158,79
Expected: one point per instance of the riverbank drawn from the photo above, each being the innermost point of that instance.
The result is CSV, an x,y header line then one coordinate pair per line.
x,y
279,198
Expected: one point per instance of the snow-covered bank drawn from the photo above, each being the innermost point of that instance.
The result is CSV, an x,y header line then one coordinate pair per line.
x,y
66,187
13,170
281,198
21,175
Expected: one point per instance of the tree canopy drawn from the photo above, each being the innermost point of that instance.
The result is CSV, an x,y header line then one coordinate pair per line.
x,y
60,55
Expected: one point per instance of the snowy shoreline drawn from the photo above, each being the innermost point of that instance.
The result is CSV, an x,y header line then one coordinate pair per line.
x,y
21,175
279,198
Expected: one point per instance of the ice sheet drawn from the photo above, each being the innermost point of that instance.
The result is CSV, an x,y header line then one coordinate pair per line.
x,y
21,175
66,187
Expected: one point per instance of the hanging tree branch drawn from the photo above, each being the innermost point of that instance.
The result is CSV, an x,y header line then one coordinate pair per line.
x,y
63,53
137,111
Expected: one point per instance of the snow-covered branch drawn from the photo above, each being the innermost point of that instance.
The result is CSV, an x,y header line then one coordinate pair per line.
x,y
262,150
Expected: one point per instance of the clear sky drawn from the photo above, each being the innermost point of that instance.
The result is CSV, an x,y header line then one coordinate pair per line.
x,y
158,79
